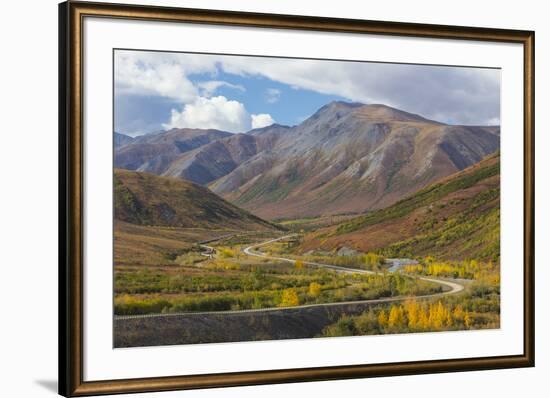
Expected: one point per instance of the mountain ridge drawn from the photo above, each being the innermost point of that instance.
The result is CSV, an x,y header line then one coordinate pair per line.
x,y
154,152
147,199
352,158
120,140
345,158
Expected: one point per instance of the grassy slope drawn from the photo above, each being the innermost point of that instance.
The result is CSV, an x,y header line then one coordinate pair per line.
x,y
146,199
456,218
138,245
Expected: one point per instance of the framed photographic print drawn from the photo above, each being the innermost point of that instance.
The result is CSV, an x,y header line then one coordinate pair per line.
x,y
251,198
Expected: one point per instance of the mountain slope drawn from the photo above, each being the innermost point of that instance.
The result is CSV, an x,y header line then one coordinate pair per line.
x,y
121,139
455,218
350,157
272,129
146,199
155,152
217,159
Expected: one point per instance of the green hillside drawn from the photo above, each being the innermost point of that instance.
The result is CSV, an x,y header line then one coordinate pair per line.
x,y
456,218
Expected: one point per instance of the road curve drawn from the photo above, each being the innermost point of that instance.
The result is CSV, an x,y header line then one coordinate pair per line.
x,y
454,288
249,250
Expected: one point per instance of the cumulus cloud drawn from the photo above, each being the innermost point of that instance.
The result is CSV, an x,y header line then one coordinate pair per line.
x,y
211,113
261,120
272,95
217,113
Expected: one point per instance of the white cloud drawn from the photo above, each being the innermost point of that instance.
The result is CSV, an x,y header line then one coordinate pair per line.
x,y
208,88
272,95
261,120
211,113
217,113
158,74
460,95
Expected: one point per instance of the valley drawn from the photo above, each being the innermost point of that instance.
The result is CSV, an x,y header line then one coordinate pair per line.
x,y
363,219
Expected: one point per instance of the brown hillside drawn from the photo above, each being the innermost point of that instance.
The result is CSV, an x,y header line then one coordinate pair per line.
x,y
456,218
147,199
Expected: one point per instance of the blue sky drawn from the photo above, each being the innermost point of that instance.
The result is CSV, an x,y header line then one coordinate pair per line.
x,y
285,104
156,91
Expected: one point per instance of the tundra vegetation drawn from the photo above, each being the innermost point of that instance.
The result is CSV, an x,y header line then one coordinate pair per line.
x,y
233,280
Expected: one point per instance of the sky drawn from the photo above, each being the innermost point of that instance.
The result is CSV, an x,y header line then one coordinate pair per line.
x,y
156,91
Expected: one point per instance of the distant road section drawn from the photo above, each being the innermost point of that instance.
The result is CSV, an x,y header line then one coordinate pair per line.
x,y
454,287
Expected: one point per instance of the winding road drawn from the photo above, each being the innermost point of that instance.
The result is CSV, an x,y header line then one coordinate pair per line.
x,y
250,250
454,287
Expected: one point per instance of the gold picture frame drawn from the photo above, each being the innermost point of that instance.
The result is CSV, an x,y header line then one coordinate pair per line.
x,y
71,238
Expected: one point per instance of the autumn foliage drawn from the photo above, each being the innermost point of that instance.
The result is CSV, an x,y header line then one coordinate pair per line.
x,y
290,298
469,269
411,316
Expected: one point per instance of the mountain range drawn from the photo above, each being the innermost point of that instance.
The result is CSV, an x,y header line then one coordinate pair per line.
x,y
346,158
154,152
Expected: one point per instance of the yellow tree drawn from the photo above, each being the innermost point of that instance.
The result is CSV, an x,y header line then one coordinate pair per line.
x,y
396,317
226,252
440,315
458,313
467,320
290,298
299,264
382,319
412,313
432,315
423,319
449,320
429,259
372,260
314,289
